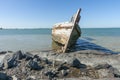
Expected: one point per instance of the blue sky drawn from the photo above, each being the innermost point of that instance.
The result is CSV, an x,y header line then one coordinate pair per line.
x,y
45,13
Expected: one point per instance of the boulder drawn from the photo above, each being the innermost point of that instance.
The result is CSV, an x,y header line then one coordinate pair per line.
x,y
106,70
115,72
18,55
103,66
9,61
64,72
28,56
33,65
3,52
46,61
3,76
24,71
37,57
62,67
76,63
51,74
14,77
31,78
104,73
1,66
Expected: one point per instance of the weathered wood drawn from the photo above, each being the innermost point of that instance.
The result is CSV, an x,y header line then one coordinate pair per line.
x,y
76,21
64,35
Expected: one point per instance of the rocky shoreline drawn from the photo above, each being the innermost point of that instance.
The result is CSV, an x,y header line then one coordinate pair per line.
x,y
48,65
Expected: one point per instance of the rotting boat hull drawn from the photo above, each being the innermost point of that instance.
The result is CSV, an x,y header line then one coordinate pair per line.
x,y
65,35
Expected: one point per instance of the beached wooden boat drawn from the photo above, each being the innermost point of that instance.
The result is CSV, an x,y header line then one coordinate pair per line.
x,y
65,35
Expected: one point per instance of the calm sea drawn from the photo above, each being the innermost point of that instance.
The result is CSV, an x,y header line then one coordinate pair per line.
x,y
40,39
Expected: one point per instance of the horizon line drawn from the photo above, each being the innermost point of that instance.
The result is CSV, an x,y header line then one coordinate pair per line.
x,y
51,28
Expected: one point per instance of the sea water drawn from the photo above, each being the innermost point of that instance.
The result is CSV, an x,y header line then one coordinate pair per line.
x,y
40,39
107,38
25,39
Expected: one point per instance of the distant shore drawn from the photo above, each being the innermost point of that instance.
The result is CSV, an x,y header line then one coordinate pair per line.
x,y
51,28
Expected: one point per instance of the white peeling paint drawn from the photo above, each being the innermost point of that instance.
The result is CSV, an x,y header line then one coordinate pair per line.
x,y
64,24
62,32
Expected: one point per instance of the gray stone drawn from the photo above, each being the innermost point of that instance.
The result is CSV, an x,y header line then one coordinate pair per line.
x,y
62,67
37,57
64,72
115,72
3,76
9,61
24,70
31,78
76,63
14,77
3,52
105,73
28,56
51,74
18,55
1,65
106,70
47,61
103,66
33,65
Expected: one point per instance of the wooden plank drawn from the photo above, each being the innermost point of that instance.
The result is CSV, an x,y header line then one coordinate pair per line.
x,y
74,23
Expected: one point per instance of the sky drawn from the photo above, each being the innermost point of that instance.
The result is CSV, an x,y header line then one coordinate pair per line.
x,y
45,13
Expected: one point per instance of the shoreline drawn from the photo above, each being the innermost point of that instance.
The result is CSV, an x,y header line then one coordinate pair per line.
x,y
103,65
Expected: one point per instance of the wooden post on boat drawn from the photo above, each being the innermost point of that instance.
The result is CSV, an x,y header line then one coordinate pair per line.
x,y
76,21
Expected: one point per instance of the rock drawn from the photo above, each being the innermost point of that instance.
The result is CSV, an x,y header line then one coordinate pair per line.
x,y
18,55
104,73
64,72
10,51
50,74
106,70
62,67
28,56
102,66
1,66
9,61
14,77
47,61
115,72
3,76
24,70
33,65
31,78
76,63
3,52
37,57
